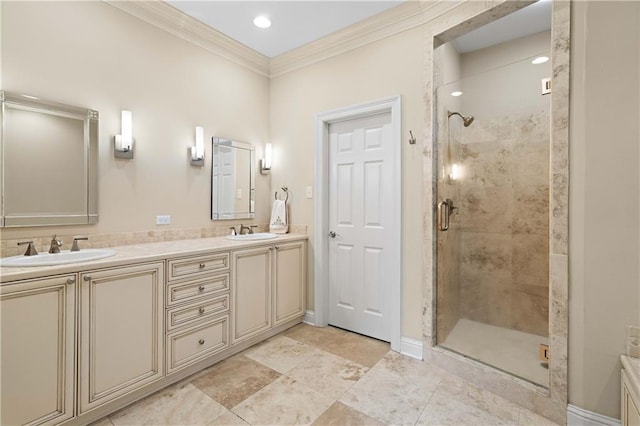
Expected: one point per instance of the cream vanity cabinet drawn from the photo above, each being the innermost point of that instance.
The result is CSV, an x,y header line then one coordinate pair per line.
x,y
197,313
267,288
630,408
121,332
37,321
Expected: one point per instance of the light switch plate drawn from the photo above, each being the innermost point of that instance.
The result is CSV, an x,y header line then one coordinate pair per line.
x,y
309,192
163,220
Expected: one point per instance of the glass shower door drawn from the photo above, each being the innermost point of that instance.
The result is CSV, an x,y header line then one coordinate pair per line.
x,y
492,218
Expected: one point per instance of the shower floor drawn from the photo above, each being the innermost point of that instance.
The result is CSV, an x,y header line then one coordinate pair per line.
x,y
509,350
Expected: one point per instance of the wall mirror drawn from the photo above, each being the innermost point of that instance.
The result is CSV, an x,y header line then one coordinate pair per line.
x,y
232,180
49,157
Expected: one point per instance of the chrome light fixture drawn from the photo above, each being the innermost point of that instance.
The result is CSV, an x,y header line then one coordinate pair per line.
x,y
123,143
265,162
197,151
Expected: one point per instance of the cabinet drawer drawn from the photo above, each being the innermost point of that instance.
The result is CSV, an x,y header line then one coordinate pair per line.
x,y
197,265
192,290
191,345
204,310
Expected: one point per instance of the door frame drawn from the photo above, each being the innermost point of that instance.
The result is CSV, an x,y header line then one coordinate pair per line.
x,y
390,105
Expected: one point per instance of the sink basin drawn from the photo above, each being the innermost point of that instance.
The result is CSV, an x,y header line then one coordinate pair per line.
x,y
253,237
62,258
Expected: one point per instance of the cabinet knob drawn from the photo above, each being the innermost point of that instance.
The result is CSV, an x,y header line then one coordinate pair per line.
x,y
201,310
71,280
201,288
87,278
201,266
201,341
277,247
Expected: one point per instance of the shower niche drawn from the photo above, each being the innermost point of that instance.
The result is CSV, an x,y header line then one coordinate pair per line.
x,y
493,151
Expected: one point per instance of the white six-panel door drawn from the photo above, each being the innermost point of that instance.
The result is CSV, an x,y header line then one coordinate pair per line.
x,y
361,225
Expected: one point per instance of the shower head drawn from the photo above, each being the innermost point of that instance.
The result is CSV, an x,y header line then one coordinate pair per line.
x,y
465,120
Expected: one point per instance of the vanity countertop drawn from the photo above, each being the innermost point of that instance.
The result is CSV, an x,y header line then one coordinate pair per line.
x,y
147,252
632,367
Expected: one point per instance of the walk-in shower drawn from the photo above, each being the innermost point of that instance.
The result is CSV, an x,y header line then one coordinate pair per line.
x,y
492,257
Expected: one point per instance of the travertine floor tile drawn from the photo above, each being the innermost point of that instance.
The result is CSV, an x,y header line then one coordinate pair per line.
x,y
387,398
457,402
228,419
233,380
341,415
529,418
176,405
102,422
424,375
363,350
283,402
281,353
329,374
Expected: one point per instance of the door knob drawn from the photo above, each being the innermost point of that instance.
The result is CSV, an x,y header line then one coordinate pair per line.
x,y
332,234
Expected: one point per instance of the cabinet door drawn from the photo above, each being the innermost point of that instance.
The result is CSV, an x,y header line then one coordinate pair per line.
x,y
37,325
630,412
289,282
251,292
121,337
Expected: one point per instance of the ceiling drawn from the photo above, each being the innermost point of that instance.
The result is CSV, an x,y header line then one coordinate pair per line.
x,y
294,23
532,19
298,22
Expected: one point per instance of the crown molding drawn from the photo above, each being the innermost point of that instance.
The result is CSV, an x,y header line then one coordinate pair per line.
x,y
170,19
405,16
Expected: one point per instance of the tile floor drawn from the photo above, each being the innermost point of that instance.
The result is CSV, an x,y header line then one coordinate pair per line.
x,y
322,376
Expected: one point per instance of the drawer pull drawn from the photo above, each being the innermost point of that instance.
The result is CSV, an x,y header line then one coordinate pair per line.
x,y
201,341
71,280
201,288
202,266
201,310
87,278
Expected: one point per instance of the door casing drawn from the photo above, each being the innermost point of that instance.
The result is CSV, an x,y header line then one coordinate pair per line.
x,y
390,105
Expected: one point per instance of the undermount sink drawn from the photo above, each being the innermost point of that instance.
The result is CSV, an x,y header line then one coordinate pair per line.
x,y
253,237
52,259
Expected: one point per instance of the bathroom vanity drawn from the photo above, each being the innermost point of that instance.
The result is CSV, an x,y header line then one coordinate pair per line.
x,y
80,341
630,391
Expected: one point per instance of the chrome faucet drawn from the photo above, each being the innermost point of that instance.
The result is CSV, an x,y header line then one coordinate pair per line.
x,y
74,246
242,228
55,245
31,249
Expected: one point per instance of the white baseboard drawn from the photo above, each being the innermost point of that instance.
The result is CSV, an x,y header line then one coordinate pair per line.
x,y
309,318
577,416
411,347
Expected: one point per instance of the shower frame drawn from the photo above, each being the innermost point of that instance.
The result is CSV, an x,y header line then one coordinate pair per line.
x,y
552,401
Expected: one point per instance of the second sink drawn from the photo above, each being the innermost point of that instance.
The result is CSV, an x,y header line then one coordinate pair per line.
x,y
252,237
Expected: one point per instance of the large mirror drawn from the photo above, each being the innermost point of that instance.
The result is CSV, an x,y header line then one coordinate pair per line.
x,y
232,180
49,160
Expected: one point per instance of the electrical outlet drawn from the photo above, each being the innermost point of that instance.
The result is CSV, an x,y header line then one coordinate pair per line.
x,y
309,192
163,220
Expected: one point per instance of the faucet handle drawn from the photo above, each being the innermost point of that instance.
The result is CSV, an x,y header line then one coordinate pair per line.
x,y
251,228
233,230
74,246
31,250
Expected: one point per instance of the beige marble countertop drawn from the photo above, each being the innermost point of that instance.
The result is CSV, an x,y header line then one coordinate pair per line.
x,y
632,367
144,253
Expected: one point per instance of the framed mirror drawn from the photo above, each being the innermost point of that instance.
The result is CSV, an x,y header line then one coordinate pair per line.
x,y
49,157
233,180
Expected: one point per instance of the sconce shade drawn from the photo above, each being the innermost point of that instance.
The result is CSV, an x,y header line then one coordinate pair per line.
x,y
123,144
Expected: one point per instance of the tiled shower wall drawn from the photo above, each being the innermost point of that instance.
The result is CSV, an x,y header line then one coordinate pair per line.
x,y
503,221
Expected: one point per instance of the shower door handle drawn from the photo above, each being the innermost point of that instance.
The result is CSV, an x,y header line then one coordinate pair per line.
x,y
444,211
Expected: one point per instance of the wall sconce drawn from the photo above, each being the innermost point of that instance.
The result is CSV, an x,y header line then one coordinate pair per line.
x,y
197,151
265,163
123,144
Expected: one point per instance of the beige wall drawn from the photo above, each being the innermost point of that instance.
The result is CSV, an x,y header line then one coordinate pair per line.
x,y
604,197
392,66
93,55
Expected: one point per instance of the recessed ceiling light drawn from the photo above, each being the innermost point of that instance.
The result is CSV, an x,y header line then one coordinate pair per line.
x,y
456,93
262,22
540,60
